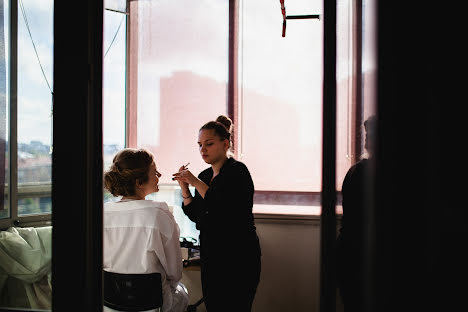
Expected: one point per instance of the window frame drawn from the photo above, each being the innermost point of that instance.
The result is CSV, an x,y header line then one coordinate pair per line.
x,y
267,197
86,257
261,197
14,191
12,131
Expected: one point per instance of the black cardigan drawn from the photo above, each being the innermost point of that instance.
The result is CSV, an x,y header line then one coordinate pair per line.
x,y
224,217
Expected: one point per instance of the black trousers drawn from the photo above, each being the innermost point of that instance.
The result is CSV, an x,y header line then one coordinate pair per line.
x,y
231,286
350,275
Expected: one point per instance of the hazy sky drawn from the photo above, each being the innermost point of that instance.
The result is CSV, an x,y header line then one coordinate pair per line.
x,y
34,96
114,78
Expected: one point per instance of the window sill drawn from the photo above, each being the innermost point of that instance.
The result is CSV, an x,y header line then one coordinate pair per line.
x,y
290,212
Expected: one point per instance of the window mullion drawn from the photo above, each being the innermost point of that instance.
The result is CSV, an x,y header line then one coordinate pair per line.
x,y
232,98
13,115
357,103
131,84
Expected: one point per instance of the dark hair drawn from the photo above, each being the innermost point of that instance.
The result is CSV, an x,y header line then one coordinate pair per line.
x,y
221,126
128,166
371,124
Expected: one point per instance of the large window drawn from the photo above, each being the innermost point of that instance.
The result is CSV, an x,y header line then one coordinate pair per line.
x,y
355,80
280,103
177,79
28,109
369,57
34,100
177,74
114,78
345,89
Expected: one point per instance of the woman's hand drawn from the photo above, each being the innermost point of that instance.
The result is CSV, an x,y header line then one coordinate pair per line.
x,y
184,177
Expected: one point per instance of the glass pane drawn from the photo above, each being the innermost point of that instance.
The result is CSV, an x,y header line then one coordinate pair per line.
x,y
114,92
116,5
369,58
35,73
178,81
25,272
344,89
4,108
281,96
344,105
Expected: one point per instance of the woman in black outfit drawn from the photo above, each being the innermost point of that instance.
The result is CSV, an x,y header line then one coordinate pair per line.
x,y
356,191
222,210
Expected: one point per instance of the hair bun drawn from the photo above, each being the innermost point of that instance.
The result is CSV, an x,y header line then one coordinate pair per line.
x,y
226,121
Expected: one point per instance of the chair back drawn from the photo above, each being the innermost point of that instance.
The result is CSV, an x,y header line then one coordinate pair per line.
x,y
132,292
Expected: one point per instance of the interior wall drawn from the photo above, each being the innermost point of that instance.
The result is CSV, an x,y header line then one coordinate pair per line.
x,y
290,263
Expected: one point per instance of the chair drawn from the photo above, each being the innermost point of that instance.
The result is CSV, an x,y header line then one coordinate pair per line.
x,y
132,292
193,307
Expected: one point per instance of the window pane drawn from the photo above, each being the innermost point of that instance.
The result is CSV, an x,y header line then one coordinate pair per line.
x,y
344,89
116,5
4,107
349,134
178,81
281,96
24,265
114,92
369,59
35,65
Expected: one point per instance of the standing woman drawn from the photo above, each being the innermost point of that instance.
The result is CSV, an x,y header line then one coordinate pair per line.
x,y
222,210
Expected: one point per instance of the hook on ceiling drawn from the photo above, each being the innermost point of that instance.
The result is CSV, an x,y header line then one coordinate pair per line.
x,y
286,17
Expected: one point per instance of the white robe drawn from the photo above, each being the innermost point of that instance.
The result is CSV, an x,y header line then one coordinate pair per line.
x,y
142,236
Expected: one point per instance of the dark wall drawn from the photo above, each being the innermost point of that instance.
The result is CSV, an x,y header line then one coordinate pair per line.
x,y
421,210
77,157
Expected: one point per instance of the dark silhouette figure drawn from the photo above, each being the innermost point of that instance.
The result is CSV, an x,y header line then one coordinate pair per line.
x,y
357,191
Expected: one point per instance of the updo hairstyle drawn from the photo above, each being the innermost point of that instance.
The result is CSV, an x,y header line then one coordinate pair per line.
x,y
128,166
221,126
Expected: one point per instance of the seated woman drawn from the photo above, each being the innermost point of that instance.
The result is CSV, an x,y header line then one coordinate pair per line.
x,y
142,236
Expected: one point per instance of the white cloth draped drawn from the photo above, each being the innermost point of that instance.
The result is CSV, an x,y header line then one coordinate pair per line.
x,y
25,268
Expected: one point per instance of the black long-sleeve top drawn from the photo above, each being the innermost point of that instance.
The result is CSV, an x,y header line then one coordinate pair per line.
x,y
224,217
356,191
